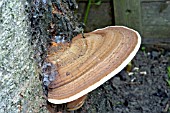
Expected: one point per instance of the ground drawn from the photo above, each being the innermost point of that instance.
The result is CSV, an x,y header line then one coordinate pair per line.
x,y
142,90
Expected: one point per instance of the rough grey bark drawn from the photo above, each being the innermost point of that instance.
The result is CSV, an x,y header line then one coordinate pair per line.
x,y
20,89
23,42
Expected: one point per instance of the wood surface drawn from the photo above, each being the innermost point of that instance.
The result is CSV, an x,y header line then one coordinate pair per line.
x,y
149,17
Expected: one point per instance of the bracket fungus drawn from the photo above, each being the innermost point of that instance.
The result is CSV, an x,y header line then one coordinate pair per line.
x,y
88,62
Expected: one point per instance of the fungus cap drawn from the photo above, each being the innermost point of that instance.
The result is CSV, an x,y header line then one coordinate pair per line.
x,y
89,62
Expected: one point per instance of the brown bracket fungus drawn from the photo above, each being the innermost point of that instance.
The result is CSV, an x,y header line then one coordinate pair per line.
x,y
89,62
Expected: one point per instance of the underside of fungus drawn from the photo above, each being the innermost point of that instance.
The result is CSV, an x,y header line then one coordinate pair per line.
x,y
89,61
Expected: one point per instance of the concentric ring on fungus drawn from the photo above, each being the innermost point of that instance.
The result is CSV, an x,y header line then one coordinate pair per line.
x,y
89,62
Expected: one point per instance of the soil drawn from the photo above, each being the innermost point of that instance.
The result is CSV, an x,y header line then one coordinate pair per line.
x,y
142,90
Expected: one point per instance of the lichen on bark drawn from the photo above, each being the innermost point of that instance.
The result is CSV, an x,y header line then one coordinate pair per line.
x,y
20,89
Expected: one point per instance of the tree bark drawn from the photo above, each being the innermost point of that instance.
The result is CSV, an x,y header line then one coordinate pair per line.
x,y
21,90
23,46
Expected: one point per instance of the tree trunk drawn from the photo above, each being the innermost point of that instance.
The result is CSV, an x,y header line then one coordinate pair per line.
x,y
21,89
23,47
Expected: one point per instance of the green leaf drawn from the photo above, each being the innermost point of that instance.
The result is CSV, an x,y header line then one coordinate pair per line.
x,y
168,68
143,48
168,81
98,2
